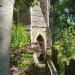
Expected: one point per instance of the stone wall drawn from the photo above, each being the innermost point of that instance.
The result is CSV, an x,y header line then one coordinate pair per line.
x,y
38,25
36,31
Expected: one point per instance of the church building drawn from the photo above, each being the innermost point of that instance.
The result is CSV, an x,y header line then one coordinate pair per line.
x,y
37,21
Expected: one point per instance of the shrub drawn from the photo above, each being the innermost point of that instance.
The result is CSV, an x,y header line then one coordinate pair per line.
x,y
20,59
25,60
20,36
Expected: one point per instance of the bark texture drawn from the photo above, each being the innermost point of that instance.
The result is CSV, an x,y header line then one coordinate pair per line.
x,y
6,16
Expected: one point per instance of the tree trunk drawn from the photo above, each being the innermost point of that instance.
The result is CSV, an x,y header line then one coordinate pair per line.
x,y
6,16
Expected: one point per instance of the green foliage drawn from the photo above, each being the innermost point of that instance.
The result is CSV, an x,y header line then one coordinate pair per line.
x,y
64,30
21,59
23,64
25,60
27,55
21,3
49,52
20,36
62,16
65,46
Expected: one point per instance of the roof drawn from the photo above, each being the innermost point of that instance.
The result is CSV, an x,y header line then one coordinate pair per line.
x,y
37,18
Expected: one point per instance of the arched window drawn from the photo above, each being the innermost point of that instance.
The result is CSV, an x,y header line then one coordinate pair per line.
x,y
40,41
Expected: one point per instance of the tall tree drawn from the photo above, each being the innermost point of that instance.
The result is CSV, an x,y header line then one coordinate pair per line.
x,y
63,30
6,16
63,15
